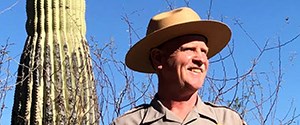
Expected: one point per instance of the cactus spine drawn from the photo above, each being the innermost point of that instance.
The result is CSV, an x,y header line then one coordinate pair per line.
x,y
55,83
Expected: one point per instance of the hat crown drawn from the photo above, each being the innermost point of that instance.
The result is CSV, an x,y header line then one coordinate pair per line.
x,y
170,18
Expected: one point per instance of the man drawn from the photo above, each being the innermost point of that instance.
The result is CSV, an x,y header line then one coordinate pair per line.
x,y
177,47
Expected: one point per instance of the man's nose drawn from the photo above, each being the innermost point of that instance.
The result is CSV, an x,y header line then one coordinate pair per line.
x,y
199,60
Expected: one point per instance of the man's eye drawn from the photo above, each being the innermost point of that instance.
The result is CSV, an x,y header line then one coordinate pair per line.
x,y
187,49
204,51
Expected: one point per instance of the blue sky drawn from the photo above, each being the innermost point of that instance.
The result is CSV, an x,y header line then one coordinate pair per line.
x,y
263,19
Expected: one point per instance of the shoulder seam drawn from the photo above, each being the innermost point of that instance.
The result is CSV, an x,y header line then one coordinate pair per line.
x,y
142,106
225,107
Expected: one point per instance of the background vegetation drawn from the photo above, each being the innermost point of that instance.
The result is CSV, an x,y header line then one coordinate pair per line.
x,y
249,75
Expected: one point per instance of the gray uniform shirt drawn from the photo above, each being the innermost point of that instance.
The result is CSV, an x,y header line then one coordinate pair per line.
x,y
157,114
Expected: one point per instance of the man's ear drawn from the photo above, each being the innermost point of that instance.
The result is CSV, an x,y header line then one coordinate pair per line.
x,y
156,58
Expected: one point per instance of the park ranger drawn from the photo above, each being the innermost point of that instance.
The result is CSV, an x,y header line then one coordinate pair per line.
x,y
177,47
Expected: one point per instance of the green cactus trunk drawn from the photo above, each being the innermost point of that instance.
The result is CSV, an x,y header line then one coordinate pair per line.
x,y
55,83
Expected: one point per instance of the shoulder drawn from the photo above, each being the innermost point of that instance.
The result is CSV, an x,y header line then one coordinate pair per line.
x,y
133,116
226,115
221,108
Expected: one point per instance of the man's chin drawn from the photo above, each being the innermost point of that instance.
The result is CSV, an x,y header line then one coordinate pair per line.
x,y
194,86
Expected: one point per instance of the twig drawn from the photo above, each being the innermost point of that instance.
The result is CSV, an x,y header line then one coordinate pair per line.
x,y
9,8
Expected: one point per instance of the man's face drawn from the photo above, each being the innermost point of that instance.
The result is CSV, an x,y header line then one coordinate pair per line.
x,y
184,62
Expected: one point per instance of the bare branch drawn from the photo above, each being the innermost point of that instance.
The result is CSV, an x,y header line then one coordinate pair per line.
x,y
209,10
9,8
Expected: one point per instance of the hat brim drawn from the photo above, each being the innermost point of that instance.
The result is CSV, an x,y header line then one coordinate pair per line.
x,y
217,33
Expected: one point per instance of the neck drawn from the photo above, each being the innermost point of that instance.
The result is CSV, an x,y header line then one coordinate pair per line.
x,y
180,106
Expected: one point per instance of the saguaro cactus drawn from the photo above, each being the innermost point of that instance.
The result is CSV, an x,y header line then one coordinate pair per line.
x,y
55,83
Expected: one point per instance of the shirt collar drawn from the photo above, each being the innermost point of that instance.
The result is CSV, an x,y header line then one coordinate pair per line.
x,y
205,111
157,110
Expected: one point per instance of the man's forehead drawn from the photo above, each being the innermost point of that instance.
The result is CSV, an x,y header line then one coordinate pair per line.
x,y
178,41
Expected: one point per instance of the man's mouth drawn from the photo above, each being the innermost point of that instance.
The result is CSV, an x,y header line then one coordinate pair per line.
x,y
195,70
